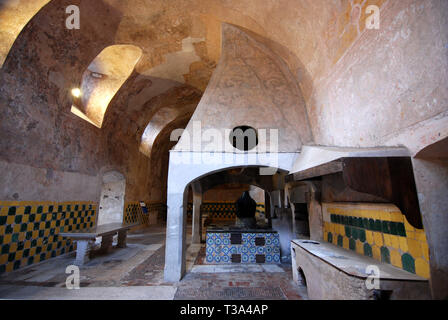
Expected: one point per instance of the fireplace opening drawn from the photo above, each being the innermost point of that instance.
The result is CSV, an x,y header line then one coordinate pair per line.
x,y
302,278
301,219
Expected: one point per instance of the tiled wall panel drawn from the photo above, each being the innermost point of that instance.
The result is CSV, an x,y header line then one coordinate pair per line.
x,y
29,230
219,249
377,231
217,211
133,213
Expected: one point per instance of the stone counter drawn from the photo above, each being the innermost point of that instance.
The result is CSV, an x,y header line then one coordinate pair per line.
x,y
330,272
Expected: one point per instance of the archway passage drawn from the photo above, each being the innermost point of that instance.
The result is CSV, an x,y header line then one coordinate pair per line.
x,y
178,206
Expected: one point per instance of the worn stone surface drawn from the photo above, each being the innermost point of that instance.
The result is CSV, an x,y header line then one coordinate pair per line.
x,y
333,274
137,272
14,15
388,80
299,34
250,86
356,87
111,206
431,177
104,77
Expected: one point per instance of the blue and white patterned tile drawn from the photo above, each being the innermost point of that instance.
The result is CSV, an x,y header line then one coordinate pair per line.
x,y
225,250
219,250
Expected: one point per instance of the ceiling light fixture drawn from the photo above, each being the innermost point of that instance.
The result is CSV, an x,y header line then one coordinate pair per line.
x,y
76,92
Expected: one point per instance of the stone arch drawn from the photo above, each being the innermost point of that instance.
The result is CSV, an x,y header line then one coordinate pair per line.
x,y
163,118
302,277
250,177
179,178
102,79
14,16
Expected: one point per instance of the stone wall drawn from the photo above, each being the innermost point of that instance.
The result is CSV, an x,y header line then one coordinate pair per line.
x,y
387,81
49,153
255,88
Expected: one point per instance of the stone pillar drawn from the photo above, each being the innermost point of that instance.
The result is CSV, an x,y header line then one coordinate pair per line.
x,y
282,198
289,195
106,243
175,237
196,223
83,248
431,178
196,230
295,272
282,223
122,234
267,208
315,217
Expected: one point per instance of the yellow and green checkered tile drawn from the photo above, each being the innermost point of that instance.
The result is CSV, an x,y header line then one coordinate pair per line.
x,y
133,212
31,230
391,241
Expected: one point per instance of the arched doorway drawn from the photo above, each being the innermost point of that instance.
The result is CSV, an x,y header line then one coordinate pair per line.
x,y
210,175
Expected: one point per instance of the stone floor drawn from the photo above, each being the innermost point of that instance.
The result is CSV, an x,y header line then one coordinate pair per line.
x,y
136,272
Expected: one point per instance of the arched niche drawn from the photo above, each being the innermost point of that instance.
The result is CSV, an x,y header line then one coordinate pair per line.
x,y
112,198
163,118
101,81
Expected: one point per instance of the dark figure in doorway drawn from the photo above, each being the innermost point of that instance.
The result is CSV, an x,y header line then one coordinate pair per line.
x,y
245,211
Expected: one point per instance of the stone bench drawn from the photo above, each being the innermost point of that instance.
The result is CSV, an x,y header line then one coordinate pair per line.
x,y
85,238
333,273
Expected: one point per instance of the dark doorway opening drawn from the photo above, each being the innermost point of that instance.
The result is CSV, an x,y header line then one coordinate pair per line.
x,y
301,219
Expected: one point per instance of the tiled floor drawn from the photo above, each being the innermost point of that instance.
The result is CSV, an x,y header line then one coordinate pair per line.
x,y
136,272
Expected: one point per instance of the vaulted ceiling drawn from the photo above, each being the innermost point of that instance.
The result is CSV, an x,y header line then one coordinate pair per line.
x,y
324,44
180,40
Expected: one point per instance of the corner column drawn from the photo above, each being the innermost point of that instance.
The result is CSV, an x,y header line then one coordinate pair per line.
x,y
175,238
431,178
